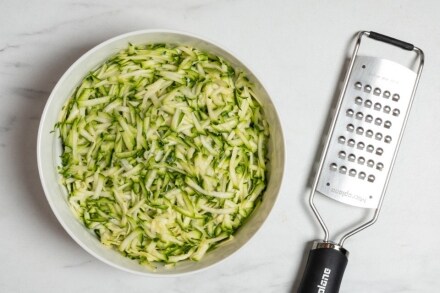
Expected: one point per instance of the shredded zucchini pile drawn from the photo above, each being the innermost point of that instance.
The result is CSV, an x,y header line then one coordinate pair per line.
x,y
164,152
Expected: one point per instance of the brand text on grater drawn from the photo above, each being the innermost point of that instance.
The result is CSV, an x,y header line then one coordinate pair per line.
x,y
324,280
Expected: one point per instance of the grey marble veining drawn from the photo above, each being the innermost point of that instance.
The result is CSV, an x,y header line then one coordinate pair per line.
x,y
8,47
297,48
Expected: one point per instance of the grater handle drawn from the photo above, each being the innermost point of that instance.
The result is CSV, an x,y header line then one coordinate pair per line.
x,y
324,269
391,41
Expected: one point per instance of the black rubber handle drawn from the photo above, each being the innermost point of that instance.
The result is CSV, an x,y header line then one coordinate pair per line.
x,y
324,271
392,41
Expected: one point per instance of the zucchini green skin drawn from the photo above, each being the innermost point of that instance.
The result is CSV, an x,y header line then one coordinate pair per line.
x,y
164,152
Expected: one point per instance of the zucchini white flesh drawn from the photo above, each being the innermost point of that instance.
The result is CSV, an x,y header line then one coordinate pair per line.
x,y
164,152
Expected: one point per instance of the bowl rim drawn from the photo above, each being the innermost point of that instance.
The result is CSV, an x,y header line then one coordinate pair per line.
x,y
42,172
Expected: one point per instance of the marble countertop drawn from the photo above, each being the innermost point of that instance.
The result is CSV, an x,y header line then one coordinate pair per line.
x,y
298,50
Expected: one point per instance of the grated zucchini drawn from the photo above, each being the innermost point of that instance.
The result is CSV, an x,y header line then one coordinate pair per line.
x,y
164,152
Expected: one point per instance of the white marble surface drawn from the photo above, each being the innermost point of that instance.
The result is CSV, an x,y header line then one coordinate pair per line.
x,y
298,49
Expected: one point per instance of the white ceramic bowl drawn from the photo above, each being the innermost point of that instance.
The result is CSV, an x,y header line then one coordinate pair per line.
x,y
49,150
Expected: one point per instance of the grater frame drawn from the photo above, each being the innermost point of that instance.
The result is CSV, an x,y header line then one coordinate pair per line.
x,y
405,46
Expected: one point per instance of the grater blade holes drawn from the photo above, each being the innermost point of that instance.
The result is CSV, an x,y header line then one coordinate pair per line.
x,y
358,85
333,166
359,115
378,121
351,157
362,175
396,112
341,139
367,88
361,160
377,106
387,139
350,112
342,155
387,109
370,148
379,151
369,133
387,124
343,170
396,97
377,91
386,94
368,103
379,166
350,127
368,118
378,136
352,172
359,130
358,101
351,142
360,145
371,178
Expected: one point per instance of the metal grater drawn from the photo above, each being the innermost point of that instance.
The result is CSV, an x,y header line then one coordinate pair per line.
x,y
360,150
366,133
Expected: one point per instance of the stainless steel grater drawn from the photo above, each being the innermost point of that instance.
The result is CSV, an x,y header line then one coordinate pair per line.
x,y
360,150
